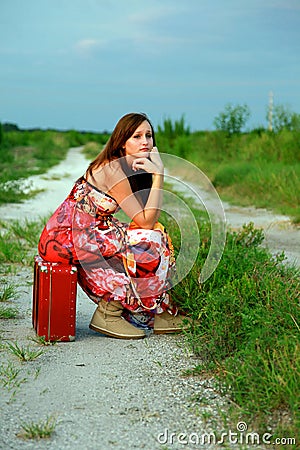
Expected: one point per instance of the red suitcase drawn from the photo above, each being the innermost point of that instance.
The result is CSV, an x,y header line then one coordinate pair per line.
x,y
54,300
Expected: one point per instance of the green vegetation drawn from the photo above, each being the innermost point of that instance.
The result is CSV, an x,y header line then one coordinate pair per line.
x,y
22,352
38,430
31,152
8,312
18,241
8,292
247,314
246,328
173,130
259,168
41,340
11,376
233,119
247,322
286,119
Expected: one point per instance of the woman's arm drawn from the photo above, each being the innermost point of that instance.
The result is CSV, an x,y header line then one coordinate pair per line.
x,y
121,191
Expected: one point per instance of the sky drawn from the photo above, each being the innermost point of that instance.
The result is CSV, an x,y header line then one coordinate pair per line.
x,y
82,64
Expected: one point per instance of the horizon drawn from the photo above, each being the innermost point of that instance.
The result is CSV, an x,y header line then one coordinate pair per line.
x,y
83,65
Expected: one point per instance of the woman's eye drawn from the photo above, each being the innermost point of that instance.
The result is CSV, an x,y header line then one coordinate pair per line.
x,y
138,136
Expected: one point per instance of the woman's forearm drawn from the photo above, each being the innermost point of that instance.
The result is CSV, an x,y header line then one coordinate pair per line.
x,y
152,208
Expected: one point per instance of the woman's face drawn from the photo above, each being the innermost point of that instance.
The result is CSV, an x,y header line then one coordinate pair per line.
x,y
140,143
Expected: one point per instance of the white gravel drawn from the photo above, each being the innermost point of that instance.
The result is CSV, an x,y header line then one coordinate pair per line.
x,y
106,393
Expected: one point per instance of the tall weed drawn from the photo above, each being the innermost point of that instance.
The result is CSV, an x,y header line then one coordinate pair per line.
x,y
18,240
25,153
270,185
247,326
258,169
172,130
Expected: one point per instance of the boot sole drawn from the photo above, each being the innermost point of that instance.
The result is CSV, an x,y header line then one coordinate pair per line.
x,y
167,331
117,336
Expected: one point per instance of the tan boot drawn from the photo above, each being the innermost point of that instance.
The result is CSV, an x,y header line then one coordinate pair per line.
x,y
107,320
165,323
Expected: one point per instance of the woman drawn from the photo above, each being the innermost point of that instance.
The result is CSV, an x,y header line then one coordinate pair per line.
x,y
124,268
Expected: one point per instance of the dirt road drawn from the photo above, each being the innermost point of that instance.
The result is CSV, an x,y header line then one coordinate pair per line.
x,y
108,393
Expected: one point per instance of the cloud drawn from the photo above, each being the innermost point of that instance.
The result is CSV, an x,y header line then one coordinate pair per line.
x,y
155,14
86,46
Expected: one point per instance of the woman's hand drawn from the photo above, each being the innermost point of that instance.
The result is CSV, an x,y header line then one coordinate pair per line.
x,y
153,164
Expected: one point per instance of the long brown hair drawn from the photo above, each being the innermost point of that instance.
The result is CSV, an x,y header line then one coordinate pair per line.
x,y
140,182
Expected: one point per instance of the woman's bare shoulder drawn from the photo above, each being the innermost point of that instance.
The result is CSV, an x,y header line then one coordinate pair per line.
x,y
108,174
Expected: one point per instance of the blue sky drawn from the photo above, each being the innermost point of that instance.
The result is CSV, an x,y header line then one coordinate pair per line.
x,y
84,63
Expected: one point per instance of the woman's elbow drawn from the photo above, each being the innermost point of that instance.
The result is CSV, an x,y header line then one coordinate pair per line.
x,y
145,223
146,219
148,226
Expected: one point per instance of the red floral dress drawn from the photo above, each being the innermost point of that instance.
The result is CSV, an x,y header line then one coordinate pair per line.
x,y
115,260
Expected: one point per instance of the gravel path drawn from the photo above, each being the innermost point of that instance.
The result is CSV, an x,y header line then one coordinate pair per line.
x,y
106,393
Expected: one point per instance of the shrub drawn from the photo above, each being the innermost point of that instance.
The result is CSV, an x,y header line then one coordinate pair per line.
x,y
247,328
173,130
233,119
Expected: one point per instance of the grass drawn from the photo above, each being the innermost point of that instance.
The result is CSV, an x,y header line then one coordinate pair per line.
x,y
256,168
247,329
41,340
24,153
23,353
7,292
247,312
8,312
272,184
27,231
260,169
18,239
10,376
43,429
